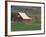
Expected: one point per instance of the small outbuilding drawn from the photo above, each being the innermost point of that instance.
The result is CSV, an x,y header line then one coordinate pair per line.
x,y
22,17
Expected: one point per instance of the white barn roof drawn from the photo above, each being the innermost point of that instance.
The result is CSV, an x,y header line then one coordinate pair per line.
x,y
24,16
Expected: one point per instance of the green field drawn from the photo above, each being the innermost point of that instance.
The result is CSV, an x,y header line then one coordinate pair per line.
x,y
24,27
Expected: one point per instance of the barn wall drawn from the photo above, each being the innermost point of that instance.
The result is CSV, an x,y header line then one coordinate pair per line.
x,y
27,20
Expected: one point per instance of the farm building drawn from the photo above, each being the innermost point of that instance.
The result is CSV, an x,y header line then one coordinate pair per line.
x,y
22,17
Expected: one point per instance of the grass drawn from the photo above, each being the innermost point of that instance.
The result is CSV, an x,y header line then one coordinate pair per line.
x,y
24,27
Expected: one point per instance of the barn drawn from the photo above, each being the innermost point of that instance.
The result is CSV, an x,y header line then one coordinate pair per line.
x,y
22,17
